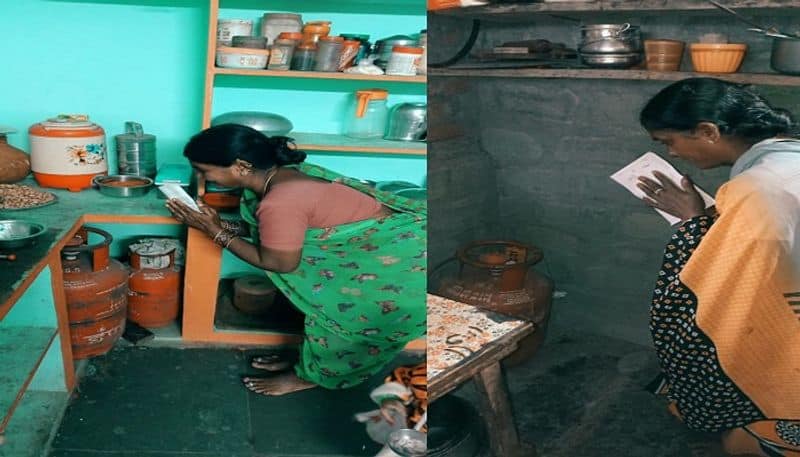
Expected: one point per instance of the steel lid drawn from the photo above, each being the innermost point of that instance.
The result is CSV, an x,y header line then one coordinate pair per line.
x,y
134,134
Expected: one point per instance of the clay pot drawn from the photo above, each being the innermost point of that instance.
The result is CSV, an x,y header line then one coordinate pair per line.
x,y
14,163
254,294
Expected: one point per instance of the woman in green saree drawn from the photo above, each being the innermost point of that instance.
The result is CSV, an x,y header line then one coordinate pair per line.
x,y
350,258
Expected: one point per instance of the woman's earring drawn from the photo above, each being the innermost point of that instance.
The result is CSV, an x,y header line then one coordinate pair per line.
x,y
245,167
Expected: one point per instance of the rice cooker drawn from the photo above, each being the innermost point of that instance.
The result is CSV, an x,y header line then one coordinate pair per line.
x,y
67,151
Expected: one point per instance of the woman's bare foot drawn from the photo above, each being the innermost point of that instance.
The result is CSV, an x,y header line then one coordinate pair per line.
x,y
274,362
274,386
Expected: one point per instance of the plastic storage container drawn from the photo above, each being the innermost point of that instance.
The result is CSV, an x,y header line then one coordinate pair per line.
x,y
404,61
252,42
350,50
364,44
273,24
303,57
314,30
329,48
368,114
229,28
281,54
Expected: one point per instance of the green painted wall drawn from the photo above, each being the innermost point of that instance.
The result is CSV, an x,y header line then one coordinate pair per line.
x,y
143,60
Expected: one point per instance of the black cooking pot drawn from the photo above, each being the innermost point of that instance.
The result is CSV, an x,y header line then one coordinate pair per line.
x,y
786,55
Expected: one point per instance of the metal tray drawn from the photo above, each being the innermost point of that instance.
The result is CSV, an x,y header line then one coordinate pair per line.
x,y
51,202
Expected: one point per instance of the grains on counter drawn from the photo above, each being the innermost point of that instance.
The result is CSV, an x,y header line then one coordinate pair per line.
x,y
16,196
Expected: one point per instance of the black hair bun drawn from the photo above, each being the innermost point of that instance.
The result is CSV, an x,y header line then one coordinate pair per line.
x,y
286,153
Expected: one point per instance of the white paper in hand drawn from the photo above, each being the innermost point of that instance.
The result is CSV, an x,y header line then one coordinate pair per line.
x,y
645,165
174,190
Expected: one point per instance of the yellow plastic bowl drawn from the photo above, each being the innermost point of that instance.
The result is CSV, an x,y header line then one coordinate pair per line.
x,y
717,57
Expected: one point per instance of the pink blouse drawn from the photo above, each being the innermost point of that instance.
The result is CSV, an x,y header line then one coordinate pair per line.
x,y
292,207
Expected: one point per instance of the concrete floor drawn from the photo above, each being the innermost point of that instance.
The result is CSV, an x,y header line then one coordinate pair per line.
x,y
159,402
582,396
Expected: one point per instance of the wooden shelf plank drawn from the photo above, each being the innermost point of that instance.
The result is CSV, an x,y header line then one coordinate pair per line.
x,y
522,9
420,79
745,78
21,351
322,142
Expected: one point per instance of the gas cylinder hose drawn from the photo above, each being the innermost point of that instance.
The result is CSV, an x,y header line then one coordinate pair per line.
x,y
473,36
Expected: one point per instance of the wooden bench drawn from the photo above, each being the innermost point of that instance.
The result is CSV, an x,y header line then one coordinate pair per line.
x,y
465,342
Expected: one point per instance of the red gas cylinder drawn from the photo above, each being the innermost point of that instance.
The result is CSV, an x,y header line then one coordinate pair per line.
x,y
154,284
497,276
96,288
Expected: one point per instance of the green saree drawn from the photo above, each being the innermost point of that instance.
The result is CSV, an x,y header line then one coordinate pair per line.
x,y
360,285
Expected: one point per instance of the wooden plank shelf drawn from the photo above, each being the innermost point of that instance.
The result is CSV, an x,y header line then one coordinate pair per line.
x,y
327,142
744,78
523,9
21,352
420,79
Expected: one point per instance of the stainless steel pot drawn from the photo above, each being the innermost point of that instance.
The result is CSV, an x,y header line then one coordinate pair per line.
x,y
785,56
407,122
383,48
610,39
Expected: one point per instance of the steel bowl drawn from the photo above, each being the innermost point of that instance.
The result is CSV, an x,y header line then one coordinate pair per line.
x,y
408,443
269,124
122,185
17,233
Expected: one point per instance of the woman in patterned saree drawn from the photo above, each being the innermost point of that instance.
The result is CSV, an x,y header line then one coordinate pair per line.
x,y
350,258
725,309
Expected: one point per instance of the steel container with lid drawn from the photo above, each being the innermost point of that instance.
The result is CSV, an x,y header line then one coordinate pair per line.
x,y
383,48
67,151
136,151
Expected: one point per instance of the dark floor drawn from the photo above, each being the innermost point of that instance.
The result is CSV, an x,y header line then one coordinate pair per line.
x,y
582,396
159,402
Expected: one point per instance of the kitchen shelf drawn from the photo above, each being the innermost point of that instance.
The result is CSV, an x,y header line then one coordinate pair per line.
x,y
519,10
321,142
321,75
745,78
21,352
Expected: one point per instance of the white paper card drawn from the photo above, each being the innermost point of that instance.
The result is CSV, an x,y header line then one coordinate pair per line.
x,y
645,165
173,190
